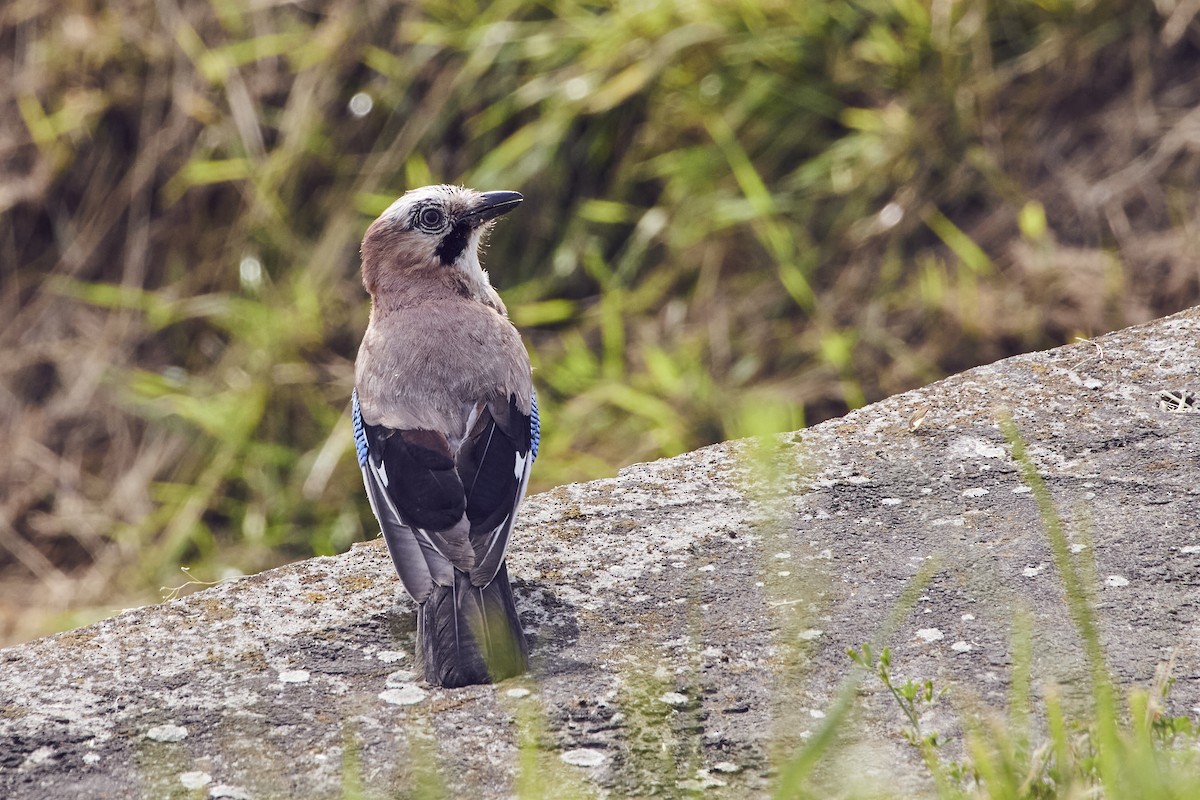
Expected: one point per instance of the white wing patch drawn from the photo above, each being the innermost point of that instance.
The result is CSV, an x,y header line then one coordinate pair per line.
x,y
520,466
381,473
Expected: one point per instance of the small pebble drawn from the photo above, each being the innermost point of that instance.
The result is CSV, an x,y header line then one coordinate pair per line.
x,y
930,634
167,733
194,780
294,676
583,757
400,678
405,695
674,699
43,755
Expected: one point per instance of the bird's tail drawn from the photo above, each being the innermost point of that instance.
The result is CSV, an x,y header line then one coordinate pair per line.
x,y
468,635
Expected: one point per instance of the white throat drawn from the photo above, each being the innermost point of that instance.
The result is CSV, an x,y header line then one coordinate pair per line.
x,y
468,263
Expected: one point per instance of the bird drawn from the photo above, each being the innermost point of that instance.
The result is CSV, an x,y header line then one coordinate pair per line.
x,y
446,427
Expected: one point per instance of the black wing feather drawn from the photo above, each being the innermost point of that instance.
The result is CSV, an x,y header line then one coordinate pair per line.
x,y
415,565
421,478
493,464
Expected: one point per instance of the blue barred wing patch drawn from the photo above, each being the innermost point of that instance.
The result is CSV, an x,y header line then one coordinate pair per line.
x,y
535,427
360,436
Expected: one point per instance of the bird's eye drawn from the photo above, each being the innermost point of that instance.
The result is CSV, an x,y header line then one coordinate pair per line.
x,y
431,219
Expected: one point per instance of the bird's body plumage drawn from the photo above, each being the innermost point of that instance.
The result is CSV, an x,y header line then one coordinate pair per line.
x,y
446,427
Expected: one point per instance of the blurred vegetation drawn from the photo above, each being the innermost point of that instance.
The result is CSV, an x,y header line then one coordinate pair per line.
x,y
741,217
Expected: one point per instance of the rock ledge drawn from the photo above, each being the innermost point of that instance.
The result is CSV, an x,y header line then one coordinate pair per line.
x,y
689,618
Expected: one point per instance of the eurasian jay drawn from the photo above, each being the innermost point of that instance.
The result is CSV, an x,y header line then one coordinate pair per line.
x,y
446,427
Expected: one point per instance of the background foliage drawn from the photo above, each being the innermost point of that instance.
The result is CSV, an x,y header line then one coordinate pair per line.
x,y
741,217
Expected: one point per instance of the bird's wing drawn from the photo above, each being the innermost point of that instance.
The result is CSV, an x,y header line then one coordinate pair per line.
x,y
493,464
418,498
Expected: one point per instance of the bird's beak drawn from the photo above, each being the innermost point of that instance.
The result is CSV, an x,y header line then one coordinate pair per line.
x,y
492,205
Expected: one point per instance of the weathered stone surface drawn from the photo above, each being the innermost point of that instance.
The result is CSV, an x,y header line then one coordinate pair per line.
x,y
689,618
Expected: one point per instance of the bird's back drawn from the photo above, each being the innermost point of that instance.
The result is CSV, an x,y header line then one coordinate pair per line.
x,y
426,366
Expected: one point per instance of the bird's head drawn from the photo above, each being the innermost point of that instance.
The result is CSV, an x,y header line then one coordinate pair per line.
x,y
432,232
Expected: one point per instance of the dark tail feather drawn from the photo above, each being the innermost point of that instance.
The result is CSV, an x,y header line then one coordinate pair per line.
x,y
467,635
